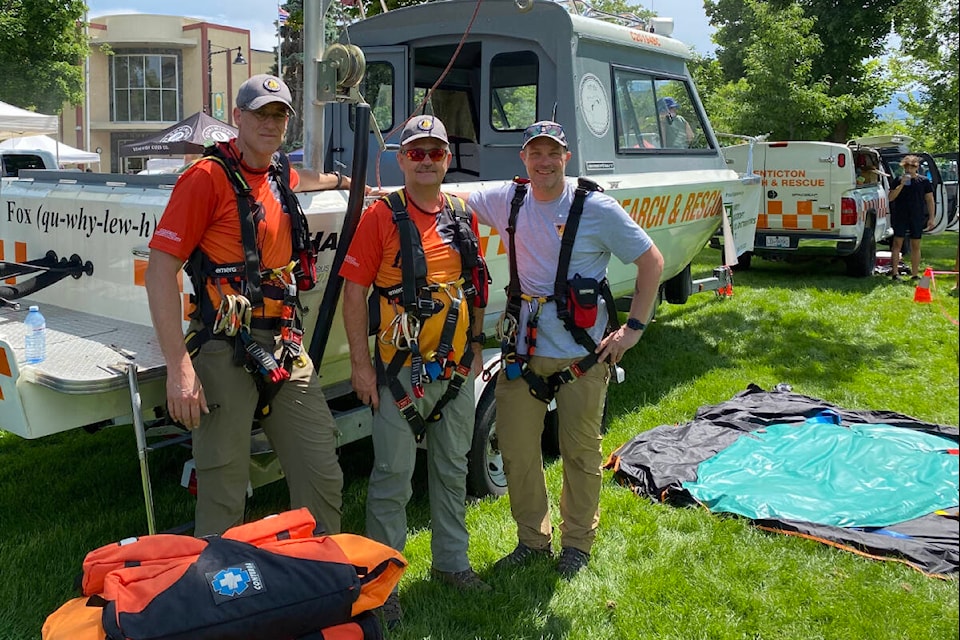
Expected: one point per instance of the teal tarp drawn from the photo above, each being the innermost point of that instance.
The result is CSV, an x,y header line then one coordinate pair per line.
x,y
862,475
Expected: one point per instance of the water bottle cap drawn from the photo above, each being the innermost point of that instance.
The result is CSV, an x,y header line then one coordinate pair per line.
x,y
34,307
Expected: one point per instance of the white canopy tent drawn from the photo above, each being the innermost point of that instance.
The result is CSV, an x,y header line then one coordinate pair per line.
x,y
15,122
64,154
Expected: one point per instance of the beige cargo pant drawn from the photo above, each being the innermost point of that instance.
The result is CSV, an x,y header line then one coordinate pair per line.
x,y
519,425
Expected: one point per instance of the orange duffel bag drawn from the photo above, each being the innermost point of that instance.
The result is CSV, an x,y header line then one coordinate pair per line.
x,y
268,579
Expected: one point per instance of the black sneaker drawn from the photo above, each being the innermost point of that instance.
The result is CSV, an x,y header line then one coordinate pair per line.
x,y
391,612
571,561
521,556
466,580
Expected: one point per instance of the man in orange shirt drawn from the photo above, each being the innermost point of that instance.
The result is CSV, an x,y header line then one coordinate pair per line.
x,y
434,325
212,394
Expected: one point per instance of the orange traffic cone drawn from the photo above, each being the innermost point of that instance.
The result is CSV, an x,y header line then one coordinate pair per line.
x,y
922,292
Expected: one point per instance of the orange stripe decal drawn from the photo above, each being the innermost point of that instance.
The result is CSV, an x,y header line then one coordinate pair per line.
x,y
4,364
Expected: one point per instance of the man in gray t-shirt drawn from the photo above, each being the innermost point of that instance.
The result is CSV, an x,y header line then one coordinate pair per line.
x,y
605,229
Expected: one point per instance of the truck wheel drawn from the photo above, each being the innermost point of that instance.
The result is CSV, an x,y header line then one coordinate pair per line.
x,y
677,289
863,261
485,476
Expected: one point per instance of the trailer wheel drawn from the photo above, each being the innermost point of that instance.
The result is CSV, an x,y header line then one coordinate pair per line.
x,y
863,261
743,261
677,289
485,475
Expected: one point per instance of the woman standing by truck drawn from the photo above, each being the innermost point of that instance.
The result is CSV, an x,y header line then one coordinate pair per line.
x,y
912,211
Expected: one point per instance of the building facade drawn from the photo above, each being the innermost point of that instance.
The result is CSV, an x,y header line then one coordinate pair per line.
x,y
147,72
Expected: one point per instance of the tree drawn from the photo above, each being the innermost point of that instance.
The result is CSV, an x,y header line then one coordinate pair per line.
x,y
42,46
930,60
821,51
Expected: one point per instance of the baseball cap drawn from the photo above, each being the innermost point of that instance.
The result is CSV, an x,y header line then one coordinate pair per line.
x,y
666,103
544,129
423,127
261,90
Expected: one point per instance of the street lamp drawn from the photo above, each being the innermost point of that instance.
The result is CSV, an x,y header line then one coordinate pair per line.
x,y
238,60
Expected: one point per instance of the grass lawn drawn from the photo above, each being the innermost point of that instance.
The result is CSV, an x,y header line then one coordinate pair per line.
x,y
657,571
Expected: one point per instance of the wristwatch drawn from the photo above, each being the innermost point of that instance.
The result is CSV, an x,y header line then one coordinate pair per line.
x,y
480,338
636,325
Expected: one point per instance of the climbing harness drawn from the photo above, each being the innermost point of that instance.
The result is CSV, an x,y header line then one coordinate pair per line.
x,y
414,300
576,300
234,317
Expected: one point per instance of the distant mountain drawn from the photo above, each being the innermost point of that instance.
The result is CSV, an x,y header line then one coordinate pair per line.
x,y
892,109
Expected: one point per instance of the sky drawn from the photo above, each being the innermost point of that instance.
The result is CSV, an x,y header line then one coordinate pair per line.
x,y
690,21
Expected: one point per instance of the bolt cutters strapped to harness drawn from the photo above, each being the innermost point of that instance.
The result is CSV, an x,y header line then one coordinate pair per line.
x,y
232,321
414,301
576,302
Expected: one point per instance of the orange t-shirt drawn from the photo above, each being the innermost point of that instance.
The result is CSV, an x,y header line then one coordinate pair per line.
x,y
202,212
374,258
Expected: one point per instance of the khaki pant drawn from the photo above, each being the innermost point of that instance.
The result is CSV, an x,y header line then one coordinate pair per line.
x,y
395,454
300,429
519,426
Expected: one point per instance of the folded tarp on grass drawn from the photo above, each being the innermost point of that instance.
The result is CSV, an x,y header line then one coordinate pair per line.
x,y
878,483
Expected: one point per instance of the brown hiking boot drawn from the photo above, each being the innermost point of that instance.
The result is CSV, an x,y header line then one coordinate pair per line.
x,y
521,556
466,580
391,612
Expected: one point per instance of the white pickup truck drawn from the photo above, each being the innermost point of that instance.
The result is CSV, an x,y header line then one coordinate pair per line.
x,y
92,229
819,199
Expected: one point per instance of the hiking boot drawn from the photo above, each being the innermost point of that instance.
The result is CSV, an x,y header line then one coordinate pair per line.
x,y
571,561
521,556
391,612
466,580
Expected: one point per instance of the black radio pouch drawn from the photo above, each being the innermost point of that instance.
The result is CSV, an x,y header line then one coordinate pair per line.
x,y
583,296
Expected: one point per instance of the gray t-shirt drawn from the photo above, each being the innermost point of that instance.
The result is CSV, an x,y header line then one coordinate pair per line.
x,y
605,229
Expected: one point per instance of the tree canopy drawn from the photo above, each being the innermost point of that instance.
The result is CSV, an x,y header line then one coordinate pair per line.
x,y
42,46
819,69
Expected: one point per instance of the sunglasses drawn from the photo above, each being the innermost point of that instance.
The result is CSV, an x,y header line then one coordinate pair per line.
x,y
417,155
544,129
911,165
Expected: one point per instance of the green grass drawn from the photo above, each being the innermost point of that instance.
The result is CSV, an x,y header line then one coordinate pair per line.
x,y
657,571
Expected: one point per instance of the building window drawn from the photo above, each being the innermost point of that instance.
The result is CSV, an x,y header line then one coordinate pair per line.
x,y
145,88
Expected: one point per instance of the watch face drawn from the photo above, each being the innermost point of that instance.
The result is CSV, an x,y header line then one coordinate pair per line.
x,y
594,105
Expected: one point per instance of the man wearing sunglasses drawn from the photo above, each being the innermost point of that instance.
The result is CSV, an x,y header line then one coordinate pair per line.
x,y
409,380
209,390
912,212
547,346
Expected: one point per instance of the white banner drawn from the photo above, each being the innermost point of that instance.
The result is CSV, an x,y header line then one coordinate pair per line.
x,y
740,211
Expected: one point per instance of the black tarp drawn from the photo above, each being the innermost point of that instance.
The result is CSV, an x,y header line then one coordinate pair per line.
x,y
187,136
657,462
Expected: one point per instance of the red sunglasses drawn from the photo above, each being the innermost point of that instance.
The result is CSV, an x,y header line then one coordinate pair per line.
x,y
417,155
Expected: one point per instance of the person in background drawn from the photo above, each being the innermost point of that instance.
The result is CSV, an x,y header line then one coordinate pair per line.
x,y
677,133
402,397
912,212
605,229
212,393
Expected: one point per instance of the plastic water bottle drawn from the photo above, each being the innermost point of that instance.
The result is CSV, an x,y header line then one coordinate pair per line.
x,y
36,339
